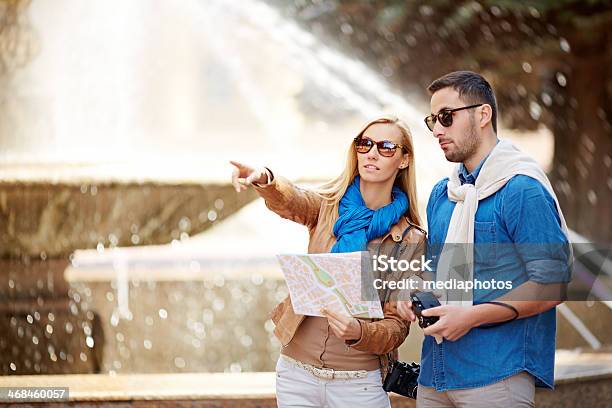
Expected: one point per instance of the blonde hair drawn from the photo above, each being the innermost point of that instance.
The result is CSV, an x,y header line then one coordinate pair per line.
x,y
334,190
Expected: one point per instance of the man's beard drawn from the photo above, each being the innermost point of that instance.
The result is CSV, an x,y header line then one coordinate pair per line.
x,y
468,147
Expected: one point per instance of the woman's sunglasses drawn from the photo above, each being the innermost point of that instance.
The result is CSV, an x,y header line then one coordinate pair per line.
x,y
445,116
386,148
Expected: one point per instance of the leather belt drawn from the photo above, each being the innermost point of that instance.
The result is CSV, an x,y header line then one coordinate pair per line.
x,y
326,373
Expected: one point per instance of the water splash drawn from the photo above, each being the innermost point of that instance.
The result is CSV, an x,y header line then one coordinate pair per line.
x,y
120,266
350,80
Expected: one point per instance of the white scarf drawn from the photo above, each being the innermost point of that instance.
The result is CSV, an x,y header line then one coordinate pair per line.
x,y
504,162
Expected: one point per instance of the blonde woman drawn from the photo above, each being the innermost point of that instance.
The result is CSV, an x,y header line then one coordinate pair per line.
x,y
338,360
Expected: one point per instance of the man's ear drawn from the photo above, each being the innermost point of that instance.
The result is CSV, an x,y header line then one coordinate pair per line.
x,y
486,115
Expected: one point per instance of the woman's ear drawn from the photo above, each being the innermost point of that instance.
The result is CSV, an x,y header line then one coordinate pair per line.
x,y
405,161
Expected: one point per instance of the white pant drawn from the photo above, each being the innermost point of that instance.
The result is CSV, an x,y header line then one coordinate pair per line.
x,y
295,387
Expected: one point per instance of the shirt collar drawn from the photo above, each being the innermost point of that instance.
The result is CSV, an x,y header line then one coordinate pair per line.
x,y
470,178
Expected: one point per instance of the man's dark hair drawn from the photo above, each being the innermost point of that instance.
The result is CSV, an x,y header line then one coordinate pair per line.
x,y
472,88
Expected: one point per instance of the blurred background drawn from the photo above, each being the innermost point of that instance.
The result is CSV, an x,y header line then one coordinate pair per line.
x,y
123,247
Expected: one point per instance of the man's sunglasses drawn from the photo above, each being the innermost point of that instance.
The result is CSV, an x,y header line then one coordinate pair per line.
x,y
445,116
386,148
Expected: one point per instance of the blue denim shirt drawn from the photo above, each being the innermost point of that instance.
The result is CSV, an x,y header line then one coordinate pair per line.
x,y
520,212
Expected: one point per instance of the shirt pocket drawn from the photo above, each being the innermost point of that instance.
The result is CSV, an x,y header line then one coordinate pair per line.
x,y
485,243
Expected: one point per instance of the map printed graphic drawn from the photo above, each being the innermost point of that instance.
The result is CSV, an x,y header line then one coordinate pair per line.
x,y
327,280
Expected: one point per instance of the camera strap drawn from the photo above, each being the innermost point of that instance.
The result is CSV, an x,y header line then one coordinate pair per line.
x,y
507,306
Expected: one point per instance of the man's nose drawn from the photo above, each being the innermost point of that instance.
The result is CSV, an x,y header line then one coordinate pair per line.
x,y
438,130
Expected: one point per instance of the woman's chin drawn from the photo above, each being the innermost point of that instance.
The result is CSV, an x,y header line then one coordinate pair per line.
x,y
372,176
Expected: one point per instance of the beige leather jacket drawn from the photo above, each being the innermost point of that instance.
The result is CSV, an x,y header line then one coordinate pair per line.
x,y
305,207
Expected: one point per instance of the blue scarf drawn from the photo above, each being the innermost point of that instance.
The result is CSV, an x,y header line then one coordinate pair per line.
x,y
357,224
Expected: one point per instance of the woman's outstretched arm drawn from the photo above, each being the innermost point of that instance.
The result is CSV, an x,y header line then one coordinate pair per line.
x,y
280,195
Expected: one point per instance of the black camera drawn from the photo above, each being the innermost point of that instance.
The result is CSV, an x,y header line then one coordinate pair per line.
x,y
422,301
402,379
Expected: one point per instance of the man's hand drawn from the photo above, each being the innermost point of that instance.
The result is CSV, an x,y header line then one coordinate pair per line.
x,y
454,323
404,307
343,326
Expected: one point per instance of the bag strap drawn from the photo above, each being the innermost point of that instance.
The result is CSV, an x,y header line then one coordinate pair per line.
x,y
395,252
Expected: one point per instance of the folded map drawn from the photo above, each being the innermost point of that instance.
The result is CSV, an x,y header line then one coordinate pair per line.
x,y
331,280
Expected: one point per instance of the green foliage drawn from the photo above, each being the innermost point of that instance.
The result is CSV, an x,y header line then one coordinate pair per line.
x,y
521,46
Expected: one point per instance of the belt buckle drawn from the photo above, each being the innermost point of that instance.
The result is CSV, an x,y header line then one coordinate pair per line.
x,y
328,373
